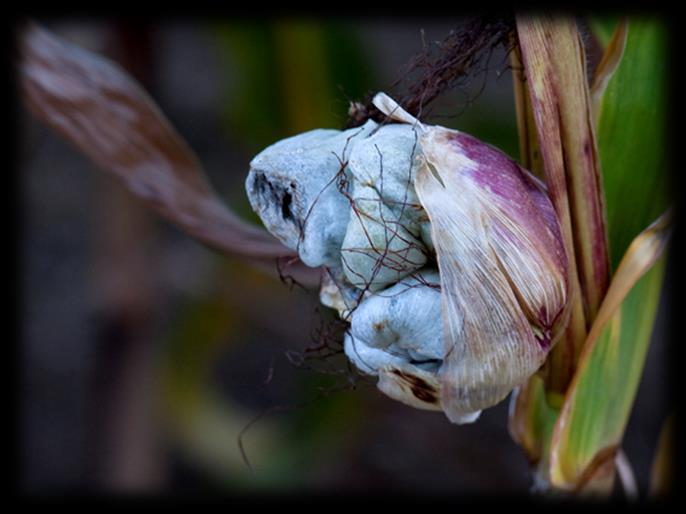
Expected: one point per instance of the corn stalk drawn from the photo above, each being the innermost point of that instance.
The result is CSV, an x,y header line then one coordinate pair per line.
x,y
571,417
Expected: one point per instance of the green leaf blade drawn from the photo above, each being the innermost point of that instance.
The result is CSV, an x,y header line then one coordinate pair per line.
x,y
632,135
599,402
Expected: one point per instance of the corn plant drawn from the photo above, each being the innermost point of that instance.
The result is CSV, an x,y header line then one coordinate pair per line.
x,y
571,417
597,146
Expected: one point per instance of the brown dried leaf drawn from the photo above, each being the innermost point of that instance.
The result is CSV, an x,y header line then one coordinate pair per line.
x,y
99,108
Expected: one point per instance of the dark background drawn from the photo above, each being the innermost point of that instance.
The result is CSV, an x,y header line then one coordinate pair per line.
x,y
143,355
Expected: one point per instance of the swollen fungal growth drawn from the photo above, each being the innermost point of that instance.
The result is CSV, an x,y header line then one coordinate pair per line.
x,y
380,206
294,187
382,243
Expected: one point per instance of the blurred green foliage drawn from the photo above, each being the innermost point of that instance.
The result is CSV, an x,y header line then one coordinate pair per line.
x,y
289,77
292,76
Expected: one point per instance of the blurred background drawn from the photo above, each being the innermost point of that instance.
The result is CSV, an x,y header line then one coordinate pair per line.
x,y
144,356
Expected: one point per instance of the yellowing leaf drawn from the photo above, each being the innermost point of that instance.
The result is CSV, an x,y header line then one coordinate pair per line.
x,y
599,401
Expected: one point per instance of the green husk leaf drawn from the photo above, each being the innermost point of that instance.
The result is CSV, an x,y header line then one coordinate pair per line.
x,y
599,401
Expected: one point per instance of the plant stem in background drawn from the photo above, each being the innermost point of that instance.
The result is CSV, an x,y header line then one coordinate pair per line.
x,y
663,464
126,296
